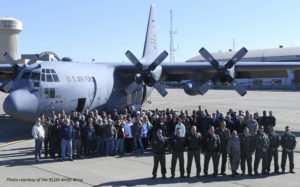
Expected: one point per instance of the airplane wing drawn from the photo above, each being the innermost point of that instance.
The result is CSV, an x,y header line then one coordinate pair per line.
x,y
203,70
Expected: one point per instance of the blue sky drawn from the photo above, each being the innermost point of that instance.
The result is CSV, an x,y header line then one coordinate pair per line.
x,y
105,29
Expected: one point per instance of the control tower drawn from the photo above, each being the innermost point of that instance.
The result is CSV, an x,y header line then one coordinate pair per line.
x,y
9,30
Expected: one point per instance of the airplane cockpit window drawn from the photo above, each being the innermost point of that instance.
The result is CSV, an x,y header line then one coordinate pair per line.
x,y
49,75
49,78
26,75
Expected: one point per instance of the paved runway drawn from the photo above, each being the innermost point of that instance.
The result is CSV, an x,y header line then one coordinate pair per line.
x,y
17,166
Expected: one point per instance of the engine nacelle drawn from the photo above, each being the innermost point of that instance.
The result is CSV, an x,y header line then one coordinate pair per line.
x,y
192,87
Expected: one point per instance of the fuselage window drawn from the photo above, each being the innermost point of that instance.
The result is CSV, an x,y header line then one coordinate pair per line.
x,y
52,71
26,75
43,70
35,76
49,78
47,70
46,93
52,93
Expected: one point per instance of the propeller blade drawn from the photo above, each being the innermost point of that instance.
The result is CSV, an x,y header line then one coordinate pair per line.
x,y
158,60
240,54
7,87
9,59
134,60
208,57
205,87
33,60
240,89
133,86
161,90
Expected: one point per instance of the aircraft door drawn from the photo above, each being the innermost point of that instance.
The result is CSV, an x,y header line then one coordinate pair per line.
x,y
92,93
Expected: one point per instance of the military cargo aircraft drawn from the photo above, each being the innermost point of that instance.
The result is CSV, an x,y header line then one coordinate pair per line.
x,y
43,87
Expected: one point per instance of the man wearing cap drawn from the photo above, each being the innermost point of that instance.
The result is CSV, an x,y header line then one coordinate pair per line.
x,y
288,143
38,134
247,150
261,146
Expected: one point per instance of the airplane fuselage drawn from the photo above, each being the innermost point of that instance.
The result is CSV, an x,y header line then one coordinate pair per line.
x,y
48,86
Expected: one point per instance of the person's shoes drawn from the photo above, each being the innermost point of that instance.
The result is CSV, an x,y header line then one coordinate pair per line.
x,y
236,173
276,172
205,175
188,176
182,176
283,172
37,160
256,173
223,173
265,173
291,171
198,175
233,175
215,175
243,173
250,174
164,177
172,177
71,159
154,177
62,160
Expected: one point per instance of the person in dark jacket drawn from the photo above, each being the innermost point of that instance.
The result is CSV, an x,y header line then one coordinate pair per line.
x,y
137,132
159,144
110,134
261,147
77,140
52,139
288,144
66,134
247,150
177,144
211,149
90,136
204,124
120,137
274,139
99,137
83,124
224,135
193,142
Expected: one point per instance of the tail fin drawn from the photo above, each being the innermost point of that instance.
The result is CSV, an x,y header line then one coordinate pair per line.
x,y
150,46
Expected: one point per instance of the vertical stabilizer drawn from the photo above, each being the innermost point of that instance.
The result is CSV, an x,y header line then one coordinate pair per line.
x,y
150,46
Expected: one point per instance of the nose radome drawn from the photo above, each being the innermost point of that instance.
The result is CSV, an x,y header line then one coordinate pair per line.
x,y
22,105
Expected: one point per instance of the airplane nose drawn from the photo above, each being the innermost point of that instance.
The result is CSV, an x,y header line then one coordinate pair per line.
x,y
21,105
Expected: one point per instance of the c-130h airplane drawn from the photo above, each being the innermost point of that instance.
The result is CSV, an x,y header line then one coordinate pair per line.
x,y
58,85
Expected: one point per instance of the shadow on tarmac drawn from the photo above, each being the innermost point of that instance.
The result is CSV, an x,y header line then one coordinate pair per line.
x,y
149,181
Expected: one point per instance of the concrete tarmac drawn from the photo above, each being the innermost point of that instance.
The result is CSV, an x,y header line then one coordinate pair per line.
x,y
18,168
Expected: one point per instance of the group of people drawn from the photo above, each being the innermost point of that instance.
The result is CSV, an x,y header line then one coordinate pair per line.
x,y
235,135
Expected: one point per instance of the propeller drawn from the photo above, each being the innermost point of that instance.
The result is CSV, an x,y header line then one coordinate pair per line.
x,y
222,75
16,69
146,75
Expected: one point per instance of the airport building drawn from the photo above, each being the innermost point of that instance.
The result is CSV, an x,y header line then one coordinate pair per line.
x,y
281,54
